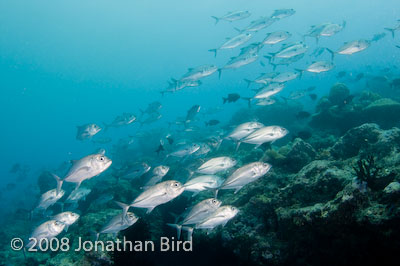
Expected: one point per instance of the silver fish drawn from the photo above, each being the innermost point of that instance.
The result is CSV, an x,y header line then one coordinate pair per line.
x,y
199,72
269,90
265,101
49,198
216,165
156,195
77,195
239,61
46,230
290,50
198,213
233,42
118,223
264,78
85,168
258,24
320,66
245,175
192,112
286,76
67,218
243,130
351,47
87,131
233,16
265,134
203,182
121,120
276,37
283,13
185,150
158,173
136,170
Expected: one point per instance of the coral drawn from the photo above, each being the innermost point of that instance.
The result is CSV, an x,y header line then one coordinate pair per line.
x,y
338,94
383,111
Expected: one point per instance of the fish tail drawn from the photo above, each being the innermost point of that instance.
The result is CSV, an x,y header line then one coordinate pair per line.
x,y
248,82
391,31
189,230
237,145
213,51
224,100
269,58
125,207
331,52
59,182
219,72
178,229
216,19
300,71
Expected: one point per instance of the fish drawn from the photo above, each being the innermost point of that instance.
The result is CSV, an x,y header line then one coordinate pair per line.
x,y
258,24
152,108
177,85
264,78
118,223
83,169
151,118
67,218
87,131
121,120
220,217
231,98
204,149
318,51
156,195
46,230
352,47
197,213
243,130
283,61
203,182
318,67
216,165
303,115
290,50
341,74
233,42
283,13
265,101
252,48
295,95
264,135
286,76
200,72
212,122
245,175
185,150
378,36
78,194
157,175
136,170
49,198
270,90
313,96
331,29
276,37
192,112
232,16
160,148
239,61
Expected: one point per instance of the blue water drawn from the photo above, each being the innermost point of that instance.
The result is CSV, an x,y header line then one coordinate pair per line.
x,y
67,63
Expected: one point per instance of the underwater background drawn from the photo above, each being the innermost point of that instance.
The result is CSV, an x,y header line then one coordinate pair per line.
x,y
332,195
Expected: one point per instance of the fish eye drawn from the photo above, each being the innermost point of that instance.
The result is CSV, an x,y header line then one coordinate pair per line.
x,y
102,158
214,201
176,184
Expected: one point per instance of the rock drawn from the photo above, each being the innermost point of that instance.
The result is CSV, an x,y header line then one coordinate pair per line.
x,y
338,94
384,111
393,187
355,139
300,154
